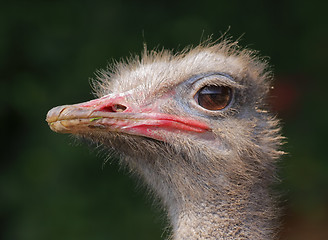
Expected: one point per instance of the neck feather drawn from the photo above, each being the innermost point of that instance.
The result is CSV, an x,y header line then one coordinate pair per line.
x,y
226,216
212,206
210,192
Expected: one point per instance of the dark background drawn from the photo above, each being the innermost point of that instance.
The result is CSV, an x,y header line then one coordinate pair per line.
x,y
53,188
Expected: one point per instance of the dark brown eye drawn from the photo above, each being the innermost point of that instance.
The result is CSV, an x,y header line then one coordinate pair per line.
x,y
213,97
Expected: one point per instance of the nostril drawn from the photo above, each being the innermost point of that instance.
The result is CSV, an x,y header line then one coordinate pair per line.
x,y
107,109
114,108
118,108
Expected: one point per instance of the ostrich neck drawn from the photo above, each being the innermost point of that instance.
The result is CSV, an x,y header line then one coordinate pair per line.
x,y
224,217
212,207
207,200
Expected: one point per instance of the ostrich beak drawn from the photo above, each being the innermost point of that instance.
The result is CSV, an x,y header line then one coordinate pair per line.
x,y
112,113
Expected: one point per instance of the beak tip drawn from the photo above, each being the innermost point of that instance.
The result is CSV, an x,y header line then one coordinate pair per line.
x,y
59,127
52,119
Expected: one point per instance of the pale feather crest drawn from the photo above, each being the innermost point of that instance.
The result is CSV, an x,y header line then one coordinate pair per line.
x,y
165,68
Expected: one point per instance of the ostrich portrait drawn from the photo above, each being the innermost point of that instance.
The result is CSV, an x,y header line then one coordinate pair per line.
x,y
195,127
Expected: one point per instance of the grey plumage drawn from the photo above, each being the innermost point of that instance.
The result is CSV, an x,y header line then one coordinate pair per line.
x,y
212,169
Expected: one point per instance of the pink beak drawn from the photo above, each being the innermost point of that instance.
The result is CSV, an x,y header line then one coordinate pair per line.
x,y
112,113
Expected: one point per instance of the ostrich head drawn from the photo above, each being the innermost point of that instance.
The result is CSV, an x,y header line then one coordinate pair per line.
x,y
194,126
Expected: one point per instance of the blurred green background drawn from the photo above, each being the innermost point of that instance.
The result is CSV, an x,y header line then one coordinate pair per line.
x,y
53,188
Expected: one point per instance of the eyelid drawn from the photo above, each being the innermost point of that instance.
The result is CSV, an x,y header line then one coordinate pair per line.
x,y
216,80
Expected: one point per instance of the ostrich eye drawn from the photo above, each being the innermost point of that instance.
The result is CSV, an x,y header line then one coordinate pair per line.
x,y
213,97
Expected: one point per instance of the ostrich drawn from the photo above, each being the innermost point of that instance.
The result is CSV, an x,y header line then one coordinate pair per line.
x,y
194,126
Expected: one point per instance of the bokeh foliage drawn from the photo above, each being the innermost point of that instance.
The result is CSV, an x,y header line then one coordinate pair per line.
x,y
53,188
